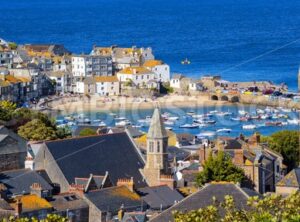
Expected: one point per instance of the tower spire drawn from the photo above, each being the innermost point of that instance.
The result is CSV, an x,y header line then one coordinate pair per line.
x,y
157,128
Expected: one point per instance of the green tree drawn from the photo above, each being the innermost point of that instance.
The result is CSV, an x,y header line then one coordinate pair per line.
x,y
12,45
286,143
6,110
37,130
87,132
220,168
271,208
63,132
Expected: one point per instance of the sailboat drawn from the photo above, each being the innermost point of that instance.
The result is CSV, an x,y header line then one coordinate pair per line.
x,y
185,62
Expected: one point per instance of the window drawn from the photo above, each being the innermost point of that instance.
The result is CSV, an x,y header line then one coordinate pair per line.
x,y
158,146
151,147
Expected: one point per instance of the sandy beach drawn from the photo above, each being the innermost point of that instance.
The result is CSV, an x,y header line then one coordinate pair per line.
x,y
97,103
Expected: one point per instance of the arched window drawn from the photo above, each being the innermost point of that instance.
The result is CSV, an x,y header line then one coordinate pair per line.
x,y
158,146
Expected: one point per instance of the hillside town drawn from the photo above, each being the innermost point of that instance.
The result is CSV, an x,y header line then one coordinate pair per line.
x,y
120,173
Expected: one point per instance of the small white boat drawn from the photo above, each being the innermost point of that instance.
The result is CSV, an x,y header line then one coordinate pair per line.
x,y
260,111
207,134
172,118
112,114
235,119
71,123
123,123
189,126
249,127
146,120
293,121
224,114
120,118
285,110
169,128
97,121
224,130
169,123
242,112
69,118
204,121
102,124
190,113
213,111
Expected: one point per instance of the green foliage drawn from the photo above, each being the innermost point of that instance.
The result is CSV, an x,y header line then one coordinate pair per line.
x,y
63,132
166,88
6,110
271,208
49,218
87,132
37,130
129,83
12,45
286,143
220,168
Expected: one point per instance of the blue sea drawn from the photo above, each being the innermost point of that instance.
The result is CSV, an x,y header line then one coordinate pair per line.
x,y
238,39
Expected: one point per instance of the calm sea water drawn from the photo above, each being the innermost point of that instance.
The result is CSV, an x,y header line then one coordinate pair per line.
x,y
239,39
221,121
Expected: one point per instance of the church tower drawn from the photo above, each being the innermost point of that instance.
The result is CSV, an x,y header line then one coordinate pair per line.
x,y
157,169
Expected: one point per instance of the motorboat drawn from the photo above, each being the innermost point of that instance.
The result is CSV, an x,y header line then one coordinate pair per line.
x,y
123,123
223,113
275,123
207,134
102,124
224,130
169,123
235,119
190,113
189,126
146,120
172,118
204,121
120,118
249,127
213,112
293,121
242,112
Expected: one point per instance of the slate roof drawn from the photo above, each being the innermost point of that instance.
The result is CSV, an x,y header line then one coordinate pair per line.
x,y
11,142
159,197
203,198
65,202
292,179
157,128
113,198
112,153
134,217
19,181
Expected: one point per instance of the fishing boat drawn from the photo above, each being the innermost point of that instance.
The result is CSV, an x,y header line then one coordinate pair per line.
x,y
120,118
190,113
123,123
169,123
204,121
207,134
242,112
185,62
224,130
189,126
293,121
102,124
275,123
235,119
172,118
249,127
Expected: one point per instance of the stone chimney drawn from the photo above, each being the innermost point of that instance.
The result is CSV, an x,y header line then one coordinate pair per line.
x,y
202,154
19,207
77,188
129,183
36,189
238,158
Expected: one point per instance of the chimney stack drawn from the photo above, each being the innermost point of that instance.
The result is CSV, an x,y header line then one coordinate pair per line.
x,y
36,189
129,183
18,207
